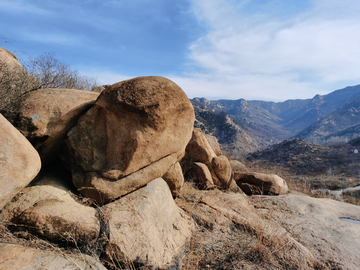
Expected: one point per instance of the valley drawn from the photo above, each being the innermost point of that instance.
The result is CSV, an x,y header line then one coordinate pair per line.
x,y
245,126
311,143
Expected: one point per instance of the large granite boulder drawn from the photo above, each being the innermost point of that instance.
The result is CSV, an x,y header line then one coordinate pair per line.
x,y
261,184
136,130
147,228
19,161
46,115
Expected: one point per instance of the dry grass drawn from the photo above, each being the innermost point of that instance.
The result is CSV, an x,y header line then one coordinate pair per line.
x,y
223,241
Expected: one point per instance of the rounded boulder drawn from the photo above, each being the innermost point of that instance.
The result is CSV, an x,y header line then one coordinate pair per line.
x,y
134,132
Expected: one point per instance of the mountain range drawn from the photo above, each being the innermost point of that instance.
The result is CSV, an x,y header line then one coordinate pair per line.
x,y
243,126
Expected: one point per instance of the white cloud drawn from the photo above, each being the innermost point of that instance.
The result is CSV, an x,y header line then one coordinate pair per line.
x,y
255,54
248,87
202,85
256,51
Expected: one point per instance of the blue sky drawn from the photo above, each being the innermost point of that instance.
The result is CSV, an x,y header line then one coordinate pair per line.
x,y
218,49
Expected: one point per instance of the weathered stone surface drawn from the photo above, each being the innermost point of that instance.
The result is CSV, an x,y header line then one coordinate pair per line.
x,y
175,179
26,258
134,132
48,114
147,227
221,212
214,144
315,223
203,176
237,166
19,161
52,213
259,183
222,169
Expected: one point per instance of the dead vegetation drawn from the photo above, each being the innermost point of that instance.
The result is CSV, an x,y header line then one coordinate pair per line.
x,y
232,234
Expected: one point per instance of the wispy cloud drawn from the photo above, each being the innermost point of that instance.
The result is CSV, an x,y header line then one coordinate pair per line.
x,y
260,54
64,39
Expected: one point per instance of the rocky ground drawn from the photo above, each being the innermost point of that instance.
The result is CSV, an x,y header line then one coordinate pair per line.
x,y
292,231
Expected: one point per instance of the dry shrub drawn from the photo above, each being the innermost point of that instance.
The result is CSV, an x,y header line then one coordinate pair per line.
x,y
43,71
350,198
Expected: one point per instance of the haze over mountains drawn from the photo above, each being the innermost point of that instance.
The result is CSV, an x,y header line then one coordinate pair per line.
x,y
243,126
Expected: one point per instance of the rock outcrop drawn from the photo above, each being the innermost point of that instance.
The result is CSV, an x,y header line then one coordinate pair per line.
x,y
261,184
200,150
46,115
121,150
26,258
148,228
19,161
136,130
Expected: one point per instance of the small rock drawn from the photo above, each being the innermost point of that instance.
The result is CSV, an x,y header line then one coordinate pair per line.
x,y
261,184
